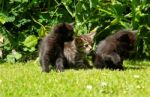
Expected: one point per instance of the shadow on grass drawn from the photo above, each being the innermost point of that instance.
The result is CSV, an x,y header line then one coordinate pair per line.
x,y
136,64
134,67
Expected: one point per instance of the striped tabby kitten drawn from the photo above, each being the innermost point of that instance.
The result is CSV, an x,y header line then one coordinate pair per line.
x,y
76,52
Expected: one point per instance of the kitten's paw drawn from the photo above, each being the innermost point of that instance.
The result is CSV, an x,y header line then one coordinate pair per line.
x,y
45,70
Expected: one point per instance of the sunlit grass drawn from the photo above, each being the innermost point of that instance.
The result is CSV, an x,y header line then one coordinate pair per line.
x,y
26,80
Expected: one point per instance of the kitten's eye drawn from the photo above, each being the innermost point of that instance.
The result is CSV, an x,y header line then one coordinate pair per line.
x,y
86,45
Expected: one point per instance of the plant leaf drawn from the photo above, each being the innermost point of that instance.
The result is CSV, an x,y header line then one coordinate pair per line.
x,y
30,41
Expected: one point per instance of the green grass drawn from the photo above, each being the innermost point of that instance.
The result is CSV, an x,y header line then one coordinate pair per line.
x,y
26,80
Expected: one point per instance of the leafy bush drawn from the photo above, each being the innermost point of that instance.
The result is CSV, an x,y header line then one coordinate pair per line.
x,y
25,22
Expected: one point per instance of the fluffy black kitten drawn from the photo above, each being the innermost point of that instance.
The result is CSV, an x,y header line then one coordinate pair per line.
x,y
111,51
52,46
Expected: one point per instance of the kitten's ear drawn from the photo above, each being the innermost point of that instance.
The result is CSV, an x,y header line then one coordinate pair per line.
x,y
72,24
93,32
134,32
132,36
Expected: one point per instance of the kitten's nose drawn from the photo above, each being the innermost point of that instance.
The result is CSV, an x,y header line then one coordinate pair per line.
x,y
90,47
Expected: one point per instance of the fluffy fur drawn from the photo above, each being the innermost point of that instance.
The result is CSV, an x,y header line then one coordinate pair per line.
x,y
111,51
76,51
52,46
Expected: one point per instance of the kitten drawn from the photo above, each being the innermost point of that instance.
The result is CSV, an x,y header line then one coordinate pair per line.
x,y
51,46
76,51
111,51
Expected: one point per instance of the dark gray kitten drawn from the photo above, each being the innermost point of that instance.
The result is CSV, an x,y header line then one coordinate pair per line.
x,y
51,49
76,51
111,51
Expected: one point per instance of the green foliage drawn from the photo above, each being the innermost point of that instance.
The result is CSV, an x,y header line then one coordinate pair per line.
x,y
30,43
27,80
4,18
13,57
24,22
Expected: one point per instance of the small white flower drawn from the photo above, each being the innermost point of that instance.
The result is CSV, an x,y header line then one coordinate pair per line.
x,y
103,84
0,81
138,86
89,87
136,76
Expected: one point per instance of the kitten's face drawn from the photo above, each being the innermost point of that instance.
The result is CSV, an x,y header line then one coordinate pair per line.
x,y
84,42
83,45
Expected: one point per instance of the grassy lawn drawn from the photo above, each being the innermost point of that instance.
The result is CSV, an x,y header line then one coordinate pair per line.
x,y
26,80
